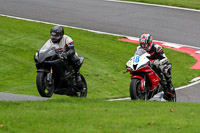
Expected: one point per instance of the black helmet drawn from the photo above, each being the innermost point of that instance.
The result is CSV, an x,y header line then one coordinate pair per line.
x,y
146,41
56,33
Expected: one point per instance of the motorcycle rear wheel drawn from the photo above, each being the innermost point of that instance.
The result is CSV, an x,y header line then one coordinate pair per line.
x,y
135,90
44,89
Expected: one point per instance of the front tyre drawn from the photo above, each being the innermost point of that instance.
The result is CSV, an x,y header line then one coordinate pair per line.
x,y
135,90
44,88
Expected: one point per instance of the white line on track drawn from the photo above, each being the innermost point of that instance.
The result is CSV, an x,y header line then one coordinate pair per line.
x,y
175,45
156,5
182,87
99,32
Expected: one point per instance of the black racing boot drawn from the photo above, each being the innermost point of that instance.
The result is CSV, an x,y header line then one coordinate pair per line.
x,y
170,88
76,65
169,92
78,79
79,83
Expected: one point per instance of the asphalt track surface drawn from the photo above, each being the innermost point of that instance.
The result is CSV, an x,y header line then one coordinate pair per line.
x,y
165,24
17,97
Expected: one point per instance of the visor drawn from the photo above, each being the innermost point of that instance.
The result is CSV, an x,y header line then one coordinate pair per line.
x,y
55,37
143,45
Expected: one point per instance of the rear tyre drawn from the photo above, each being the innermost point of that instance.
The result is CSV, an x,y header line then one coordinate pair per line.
x,y
135,90
43,87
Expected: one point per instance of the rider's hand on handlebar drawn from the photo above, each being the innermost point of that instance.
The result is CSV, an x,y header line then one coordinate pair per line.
x,y
156,63
151,63
64,55
60,56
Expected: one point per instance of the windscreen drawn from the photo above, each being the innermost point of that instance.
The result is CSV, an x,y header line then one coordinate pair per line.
x,y
140,52
47,46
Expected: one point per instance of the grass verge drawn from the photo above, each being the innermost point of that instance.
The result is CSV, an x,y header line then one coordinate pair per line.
x,y
75,115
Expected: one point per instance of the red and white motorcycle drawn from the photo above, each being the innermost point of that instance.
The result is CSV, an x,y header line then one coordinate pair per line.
x,y
146,80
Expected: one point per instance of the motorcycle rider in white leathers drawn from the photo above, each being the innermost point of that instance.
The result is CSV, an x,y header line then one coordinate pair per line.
x,y
159,57
64,42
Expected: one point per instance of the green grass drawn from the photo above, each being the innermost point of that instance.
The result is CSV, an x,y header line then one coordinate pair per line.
x,y
193,4
75,115
105,59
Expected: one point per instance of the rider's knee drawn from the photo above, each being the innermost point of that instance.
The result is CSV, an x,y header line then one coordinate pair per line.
x,y
76,61
166,69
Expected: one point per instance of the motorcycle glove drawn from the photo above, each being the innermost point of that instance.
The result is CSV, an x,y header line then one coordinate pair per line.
x,y
64,55
156,63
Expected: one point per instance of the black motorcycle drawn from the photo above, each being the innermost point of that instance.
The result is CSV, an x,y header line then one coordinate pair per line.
x,y
56,75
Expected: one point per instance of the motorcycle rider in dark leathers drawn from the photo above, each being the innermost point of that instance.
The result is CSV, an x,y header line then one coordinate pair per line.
x,y
159,57
64,42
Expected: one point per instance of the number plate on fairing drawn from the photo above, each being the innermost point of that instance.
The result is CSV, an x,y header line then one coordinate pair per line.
x,y
136,59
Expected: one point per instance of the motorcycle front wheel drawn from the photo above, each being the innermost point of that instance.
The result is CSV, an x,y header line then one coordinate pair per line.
x,y
135,90
45,89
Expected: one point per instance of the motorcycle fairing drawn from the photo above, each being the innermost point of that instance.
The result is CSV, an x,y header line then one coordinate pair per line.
x,y
153,77
138,60
142,81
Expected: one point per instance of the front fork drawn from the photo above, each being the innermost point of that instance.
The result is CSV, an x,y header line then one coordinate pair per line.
x,y
143,87
142,81
49,76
